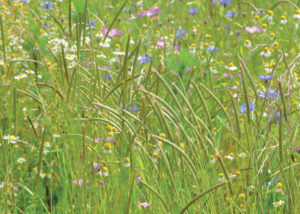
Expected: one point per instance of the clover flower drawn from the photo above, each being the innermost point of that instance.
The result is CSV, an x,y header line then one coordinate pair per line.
x,y
144,204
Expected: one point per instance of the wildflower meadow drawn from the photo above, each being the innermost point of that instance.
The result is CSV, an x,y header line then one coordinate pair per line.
x,y
149,106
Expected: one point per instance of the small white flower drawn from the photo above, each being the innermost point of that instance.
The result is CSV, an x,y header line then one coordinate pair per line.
x,y
278,203
21,160
56,136
11,139
242,155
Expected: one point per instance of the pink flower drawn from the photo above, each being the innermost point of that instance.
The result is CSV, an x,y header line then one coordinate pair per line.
x,y
144,204
149,12
113,32
253,29
160,43
79,182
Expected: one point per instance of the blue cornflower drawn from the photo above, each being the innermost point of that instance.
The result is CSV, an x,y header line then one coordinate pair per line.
x,y
270,94
47,25
277,117
143,59
193,10
213,49
133,108
230,14
47,5
275,181
214,2
24,1
180,33
243,108
265,77
107,76
227,27
225,2
93,23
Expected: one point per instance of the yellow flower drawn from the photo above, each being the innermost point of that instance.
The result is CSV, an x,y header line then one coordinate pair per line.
x,y
242,195
181,145
162,135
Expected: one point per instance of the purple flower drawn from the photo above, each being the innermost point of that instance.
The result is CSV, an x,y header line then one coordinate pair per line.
x,y
214,2
230,14
79,182
225,2
149,12
24,1
265,77
46,25
139,179
144,204
114,32
270,94
275,181
213,49
133,108
93,23
193,10
277,117
243,108
180,33
107,76
253,29
298,150
47,5
143,59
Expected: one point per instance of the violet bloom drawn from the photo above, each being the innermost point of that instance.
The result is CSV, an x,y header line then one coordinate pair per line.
x,y
107,76
93,23
46,25
113,32
298,150
180,34
265,77
231,14
149,12
133,108
143,59
225,2
193,11
268,94
47,5
139,179
253,29
243,108
213,49
79,182
144,204
277,117
214,2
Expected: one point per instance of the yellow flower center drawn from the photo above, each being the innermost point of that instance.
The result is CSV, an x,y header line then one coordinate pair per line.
x,y
126,160
107,146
